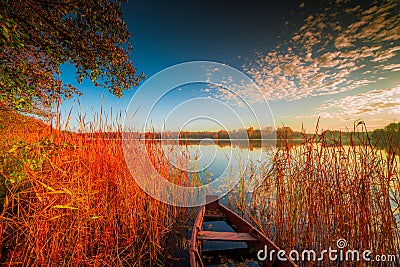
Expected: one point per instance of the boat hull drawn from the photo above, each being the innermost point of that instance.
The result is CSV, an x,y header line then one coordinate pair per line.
x,y
218,230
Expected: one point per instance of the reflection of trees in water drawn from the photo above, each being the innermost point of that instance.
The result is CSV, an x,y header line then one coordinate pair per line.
x,y
387,138
240,143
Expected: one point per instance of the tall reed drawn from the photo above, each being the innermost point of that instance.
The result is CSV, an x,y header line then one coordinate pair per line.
x,y
70,200
317,193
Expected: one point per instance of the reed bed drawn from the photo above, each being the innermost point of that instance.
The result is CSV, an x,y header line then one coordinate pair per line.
x,y
316,194
70,200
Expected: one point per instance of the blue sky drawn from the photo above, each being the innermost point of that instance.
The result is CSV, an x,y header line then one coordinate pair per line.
x,y
337,60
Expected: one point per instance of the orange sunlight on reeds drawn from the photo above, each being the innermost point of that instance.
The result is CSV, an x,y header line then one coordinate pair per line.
x,y
69,199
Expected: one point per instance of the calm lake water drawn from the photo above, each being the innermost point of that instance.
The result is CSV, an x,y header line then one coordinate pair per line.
x,y
223,160
228,162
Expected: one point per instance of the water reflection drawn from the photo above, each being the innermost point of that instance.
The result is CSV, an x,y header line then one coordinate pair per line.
x,y
236,143
222,162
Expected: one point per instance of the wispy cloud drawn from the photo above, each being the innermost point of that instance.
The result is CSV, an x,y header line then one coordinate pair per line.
x,y
369,103
335,50
392,67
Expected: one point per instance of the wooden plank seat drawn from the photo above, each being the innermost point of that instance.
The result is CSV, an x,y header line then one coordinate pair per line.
x,y
225,236
214,216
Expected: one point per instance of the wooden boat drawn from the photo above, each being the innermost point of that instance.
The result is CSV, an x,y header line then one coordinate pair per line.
x,y
220,237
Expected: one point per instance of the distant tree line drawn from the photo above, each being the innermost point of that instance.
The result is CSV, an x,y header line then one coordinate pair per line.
x,y
249,133
387,138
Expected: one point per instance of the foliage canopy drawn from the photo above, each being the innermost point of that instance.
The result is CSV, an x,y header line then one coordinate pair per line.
x,y
38,36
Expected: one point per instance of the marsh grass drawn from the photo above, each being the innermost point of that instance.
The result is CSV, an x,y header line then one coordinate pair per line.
x,y
316,194
70,200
